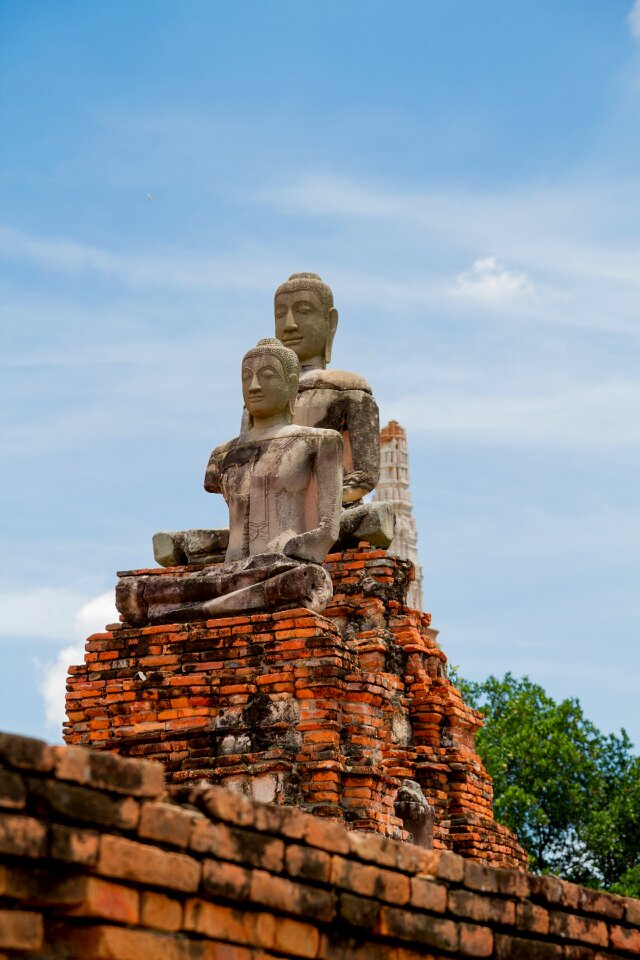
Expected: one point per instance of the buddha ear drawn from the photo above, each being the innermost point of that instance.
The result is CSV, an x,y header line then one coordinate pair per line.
x,y
332,326
293,393
294,380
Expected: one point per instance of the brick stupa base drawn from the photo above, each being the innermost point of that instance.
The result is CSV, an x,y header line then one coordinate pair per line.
x,y
327,713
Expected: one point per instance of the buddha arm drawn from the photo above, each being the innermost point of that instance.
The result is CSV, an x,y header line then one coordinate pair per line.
x,y
313,545
213,474
363,426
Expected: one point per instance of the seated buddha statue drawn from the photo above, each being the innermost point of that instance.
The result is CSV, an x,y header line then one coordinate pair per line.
x,y
282,482
306,321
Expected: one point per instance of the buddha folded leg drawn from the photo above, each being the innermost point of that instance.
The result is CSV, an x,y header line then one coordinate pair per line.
x,y
177,547
372,522
282,484
265,581
305,585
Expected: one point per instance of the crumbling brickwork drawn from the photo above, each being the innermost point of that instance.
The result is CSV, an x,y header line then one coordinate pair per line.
x,y
99,860
328,713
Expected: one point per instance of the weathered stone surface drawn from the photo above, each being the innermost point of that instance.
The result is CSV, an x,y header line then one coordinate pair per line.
x,y
282,484
306,321
174,548
323,402
372,523
283,491
280,480
412,807
266,581
303,585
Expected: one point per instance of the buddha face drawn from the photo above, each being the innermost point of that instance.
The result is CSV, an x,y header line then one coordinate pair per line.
x,y
303,326
266,389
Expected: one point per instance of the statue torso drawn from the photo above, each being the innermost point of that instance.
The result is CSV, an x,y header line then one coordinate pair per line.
x,y
341,400
324,397
270,488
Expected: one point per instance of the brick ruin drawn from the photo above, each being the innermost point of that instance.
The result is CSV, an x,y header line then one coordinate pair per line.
x,y
274,826
328,713
100,859
284,783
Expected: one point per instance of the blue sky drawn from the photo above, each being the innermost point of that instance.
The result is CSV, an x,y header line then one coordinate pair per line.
x,y
463,173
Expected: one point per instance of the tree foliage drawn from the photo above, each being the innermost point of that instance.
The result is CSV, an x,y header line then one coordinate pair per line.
x,y
570,792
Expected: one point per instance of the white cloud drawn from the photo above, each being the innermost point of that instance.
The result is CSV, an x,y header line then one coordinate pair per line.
x,y
90,617
589,416
44,613
634,20
400,247
575,229
93,615
57,615
490,282
52,684
177,268
527,531
57,253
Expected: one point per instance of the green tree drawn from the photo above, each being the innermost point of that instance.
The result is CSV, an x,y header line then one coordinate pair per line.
x,y
570,793
612,834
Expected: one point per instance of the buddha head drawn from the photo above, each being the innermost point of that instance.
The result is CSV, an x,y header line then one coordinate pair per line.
x,y
306,318
270,375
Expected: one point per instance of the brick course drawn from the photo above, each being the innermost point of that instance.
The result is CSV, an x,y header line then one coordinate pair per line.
x,y
223,877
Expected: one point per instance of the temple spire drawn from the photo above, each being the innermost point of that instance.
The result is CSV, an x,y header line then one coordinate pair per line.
x,y
393,486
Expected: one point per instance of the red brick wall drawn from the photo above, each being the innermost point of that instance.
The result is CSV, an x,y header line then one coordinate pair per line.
x,y
98,861
327,713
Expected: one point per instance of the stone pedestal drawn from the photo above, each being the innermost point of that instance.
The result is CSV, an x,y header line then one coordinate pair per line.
x,y
326,712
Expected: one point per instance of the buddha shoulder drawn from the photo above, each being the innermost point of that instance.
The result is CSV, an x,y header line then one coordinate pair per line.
x,y
317,435
333,380
220,452
213,473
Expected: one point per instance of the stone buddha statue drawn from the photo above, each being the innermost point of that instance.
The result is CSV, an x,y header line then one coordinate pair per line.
x,y
282,482
306,321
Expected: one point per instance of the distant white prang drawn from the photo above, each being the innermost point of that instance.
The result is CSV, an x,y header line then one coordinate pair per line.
x,y
393,486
